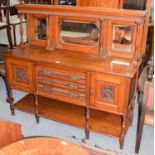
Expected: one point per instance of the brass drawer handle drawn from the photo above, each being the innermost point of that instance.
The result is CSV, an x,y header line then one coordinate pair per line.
x,y
72,94
73,86
75,95
49,81
78,87
45,72
45,88
76,77
73,77
43,80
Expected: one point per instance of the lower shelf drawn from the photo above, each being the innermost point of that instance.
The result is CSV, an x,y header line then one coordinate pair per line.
x,y
102,122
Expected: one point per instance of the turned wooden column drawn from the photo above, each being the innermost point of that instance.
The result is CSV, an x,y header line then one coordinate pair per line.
x,y
21,30
87,126
36,107
10,99
87,110
123,131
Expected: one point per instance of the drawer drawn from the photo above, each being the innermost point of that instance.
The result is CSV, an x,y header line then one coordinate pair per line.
x,y
61,83
59,73
62,94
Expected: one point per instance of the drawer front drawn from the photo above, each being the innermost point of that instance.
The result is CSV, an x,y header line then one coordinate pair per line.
x,y
61,83
59,73
62,94
108,92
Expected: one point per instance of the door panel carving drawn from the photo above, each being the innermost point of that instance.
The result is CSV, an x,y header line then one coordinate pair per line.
x,y
107,93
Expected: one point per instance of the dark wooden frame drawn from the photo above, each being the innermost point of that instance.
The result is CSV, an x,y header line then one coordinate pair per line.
x,y
7,26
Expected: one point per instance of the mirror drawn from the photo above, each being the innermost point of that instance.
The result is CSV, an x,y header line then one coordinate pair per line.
x,y
134,4
78,32
122,38
40,28
67,2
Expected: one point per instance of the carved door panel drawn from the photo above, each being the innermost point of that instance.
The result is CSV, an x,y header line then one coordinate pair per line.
x,y
19,74
106,92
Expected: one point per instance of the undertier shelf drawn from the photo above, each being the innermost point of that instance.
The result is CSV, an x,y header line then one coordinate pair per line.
x,y
102,122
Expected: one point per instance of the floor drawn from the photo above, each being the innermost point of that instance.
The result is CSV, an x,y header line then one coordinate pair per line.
x,y
55,129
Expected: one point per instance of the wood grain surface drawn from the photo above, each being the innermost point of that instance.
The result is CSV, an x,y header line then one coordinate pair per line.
x,y
42,146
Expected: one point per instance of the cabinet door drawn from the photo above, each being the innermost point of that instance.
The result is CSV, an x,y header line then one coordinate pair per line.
x,y
107,93
19,74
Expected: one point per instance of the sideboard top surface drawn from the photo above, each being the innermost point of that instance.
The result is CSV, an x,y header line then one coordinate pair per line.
x,y
75,60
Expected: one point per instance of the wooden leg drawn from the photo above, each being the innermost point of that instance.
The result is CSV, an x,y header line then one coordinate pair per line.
x,y
122,137
138,97
87,116
7,90
36,108
9,37
10,97
132,112
14,35
140,124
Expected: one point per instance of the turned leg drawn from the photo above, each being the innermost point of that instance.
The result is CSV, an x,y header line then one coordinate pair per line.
x,y
87,116
9,36
36,108
132,112
7,91
140,125
10,98
138,97
14,35
122,136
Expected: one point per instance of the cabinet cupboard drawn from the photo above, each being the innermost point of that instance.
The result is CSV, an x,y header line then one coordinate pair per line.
x,y
80,66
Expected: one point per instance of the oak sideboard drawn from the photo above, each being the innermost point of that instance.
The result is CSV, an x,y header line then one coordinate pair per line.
x,y
80,65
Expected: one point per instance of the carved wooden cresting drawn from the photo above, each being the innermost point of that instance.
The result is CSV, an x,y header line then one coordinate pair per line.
x,y
80,65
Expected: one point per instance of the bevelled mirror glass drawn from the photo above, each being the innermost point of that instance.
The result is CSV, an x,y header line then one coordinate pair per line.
x,y
67,2
79,32
134,4
40,28
122,38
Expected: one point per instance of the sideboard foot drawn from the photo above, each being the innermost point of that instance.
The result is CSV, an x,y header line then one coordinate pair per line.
x,y
87,134
37,119
121,141
123,132
87,116
10,100
36,108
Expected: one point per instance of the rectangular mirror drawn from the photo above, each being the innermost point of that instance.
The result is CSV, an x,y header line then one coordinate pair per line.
x,y
79,32
39,28
67,2
122,37
134,4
